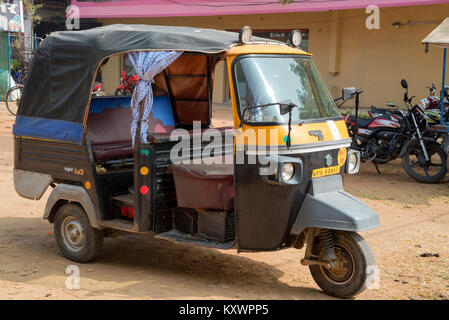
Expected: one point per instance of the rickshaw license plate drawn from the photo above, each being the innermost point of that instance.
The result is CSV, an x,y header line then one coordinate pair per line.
x,y
322,172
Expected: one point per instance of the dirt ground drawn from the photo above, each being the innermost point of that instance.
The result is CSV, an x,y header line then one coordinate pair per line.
x,y
414,220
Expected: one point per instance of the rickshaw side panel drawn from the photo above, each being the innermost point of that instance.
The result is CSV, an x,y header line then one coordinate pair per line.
x,y
263,211
65,163
265,224
31,185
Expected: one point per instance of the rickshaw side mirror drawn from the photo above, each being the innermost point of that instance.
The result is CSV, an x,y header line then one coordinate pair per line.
x,y
286,107
348,93
404,84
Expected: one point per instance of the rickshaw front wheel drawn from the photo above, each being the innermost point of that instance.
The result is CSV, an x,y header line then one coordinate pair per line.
x,y
348,275
75,237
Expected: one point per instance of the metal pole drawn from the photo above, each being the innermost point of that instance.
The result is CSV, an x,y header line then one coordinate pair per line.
x,y
442,86
9,60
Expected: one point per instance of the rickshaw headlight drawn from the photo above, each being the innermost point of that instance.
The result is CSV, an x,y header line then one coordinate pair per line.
x,y
288,171
245,35
295,38
353,163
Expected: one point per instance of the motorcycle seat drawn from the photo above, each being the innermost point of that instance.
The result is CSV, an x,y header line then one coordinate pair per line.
x,y
363,123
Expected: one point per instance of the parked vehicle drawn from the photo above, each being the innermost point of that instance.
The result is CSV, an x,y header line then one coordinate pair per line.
x,y
103,183
432,106
97,91
432,113
392,134
20,76
14,94
431,101
13,97
128,84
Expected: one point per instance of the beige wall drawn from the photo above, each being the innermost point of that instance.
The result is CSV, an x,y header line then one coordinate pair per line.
x,y
111,75
374,60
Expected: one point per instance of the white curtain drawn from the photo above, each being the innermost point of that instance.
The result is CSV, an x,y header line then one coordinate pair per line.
x,y
147,65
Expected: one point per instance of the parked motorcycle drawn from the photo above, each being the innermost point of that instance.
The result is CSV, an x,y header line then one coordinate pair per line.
x,y
432,105
97,91
396,134
128,83
432,113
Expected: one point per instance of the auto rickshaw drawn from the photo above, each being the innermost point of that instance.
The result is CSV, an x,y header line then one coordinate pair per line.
x,y
278,190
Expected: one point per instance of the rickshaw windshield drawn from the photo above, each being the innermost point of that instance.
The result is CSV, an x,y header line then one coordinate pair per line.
x,y
266,80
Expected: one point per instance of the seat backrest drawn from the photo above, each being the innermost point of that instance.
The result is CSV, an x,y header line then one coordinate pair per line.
x,y
109,126
109,121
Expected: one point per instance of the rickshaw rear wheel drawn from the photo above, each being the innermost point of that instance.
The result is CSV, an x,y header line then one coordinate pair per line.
x,y
349,275
75,237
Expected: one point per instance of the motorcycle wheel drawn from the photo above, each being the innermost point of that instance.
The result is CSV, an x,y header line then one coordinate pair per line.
x,y
416,167
350,276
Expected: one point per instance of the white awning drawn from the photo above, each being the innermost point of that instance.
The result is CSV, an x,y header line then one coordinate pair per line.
x,y
439,36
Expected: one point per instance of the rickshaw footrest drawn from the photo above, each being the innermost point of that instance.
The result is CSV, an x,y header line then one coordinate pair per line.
x,y
310,262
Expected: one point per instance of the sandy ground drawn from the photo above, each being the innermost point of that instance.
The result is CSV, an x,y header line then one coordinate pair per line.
x,y
414,218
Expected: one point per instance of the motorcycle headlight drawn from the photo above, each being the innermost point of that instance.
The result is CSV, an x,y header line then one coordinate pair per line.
x,y
353,162
288,170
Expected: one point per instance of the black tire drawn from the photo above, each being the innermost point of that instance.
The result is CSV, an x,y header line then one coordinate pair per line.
x,y
349,245
435,151
91,240
13,97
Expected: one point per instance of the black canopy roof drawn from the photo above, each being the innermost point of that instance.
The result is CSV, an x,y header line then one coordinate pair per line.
x,y
62,70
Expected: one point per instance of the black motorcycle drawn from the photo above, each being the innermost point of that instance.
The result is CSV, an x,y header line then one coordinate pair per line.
x,y
396,134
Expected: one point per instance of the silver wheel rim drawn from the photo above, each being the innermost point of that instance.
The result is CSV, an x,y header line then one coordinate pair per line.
x,y
327,272
73,234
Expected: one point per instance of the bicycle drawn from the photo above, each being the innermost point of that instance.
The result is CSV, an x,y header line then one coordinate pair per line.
x,y
20,75
13,97
14,94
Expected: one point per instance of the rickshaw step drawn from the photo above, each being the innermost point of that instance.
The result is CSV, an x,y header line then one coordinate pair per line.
x,y
118,224
180,237
126,199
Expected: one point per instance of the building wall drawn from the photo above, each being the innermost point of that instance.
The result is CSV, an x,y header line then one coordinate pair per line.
x,y
111,75
346,53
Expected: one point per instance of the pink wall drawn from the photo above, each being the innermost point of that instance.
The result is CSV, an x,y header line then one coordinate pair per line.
x,y
176,8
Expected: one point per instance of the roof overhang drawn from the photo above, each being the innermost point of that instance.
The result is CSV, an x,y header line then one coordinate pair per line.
x,y
183,8
439,36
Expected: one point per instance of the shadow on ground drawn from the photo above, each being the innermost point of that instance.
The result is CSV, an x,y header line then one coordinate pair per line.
x,y
140,265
